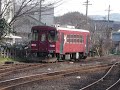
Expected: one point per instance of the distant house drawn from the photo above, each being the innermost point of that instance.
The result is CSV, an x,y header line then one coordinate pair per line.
x,y
115,25
116,40
116,36
12,39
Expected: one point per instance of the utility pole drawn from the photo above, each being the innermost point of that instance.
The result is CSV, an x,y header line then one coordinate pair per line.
x,y
87,4
40,10
108,14
108,18
108,31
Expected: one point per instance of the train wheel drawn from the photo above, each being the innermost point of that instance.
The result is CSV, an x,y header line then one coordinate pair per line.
x,y
71,56
81,56
74,56
59,57
84,57
38,54
63,57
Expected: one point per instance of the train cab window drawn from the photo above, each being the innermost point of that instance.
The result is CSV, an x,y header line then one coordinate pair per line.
x,y
52,36
34,36
43,37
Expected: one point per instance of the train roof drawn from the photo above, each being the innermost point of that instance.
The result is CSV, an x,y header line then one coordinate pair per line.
x,y
69,29
43,27
59,28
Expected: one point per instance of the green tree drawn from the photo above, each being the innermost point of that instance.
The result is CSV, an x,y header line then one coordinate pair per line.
x,y
4,28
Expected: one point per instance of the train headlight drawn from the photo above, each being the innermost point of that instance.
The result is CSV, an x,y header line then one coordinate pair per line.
x,y
33,45
52,45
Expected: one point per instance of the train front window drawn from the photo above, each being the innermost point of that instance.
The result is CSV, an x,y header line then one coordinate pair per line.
x,y
34,36
52,36
43,37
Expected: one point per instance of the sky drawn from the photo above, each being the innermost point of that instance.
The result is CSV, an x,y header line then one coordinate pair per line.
x,y
98,7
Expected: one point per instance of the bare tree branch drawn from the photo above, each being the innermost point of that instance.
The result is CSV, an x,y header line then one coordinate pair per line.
x,y
30,6
4,9
24,9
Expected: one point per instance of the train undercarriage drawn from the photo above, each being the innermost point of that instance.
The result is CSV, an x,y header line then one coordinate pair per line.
x,y
53,57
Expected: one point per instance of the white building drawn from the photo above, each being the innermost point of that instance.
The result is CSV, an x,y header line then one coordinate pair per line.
x,y
23,24
12,39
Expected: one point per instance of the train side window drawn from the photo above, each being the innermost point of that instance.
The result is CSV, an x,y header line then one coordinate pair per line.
x,y
81,39
43,37
68,38
71,38
77,39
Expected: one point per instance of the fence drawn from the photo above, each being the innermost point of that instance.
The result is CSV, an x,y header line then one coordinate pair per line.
x,y
13,51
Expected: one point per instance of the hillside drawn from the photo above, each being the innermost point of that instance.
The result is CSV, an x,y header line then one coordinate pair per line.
x,y
72,18
113,16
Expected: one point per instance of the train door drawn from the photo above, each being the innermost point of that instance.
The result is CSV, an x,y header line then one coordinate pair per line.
x,y
34,40
43,42
87,44
61,43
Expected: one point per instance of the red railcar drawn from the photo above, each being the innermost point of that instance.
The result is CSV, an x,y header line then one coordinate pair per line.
x,y
60,42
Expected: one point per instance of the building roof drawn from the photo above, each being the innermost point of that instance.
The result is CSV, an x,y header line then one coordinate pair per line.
x,y
12,36
69,29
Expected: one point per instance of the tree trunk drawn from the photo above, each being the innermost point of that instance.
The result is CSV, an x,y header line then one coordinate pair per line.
x,y
0,8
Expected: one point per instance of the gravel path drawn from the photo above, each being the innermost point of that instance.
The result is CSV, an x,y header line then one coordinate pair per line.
x,y
60,66
71,82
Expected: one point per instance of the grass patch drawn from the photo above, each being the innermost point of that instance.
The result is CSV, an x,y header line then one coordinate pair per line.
x,y
3,60
15,60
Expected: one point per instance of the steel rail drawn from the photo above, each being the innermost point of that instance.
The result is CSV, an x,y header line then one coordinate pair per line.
x,y
113,84
101,79
32,78
24,68
16,66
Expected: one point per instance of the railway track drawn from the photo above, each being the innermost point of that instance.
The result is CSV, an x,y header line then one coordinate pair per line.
x,y
8,84
9,68
20,68
102,81
5,68
113,85
23,68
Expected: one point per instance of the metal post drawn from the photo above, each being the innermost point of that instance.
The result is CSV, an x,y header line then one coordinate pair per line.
x,y
108,20
87,3
0,8
108,15
87,11
40,10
